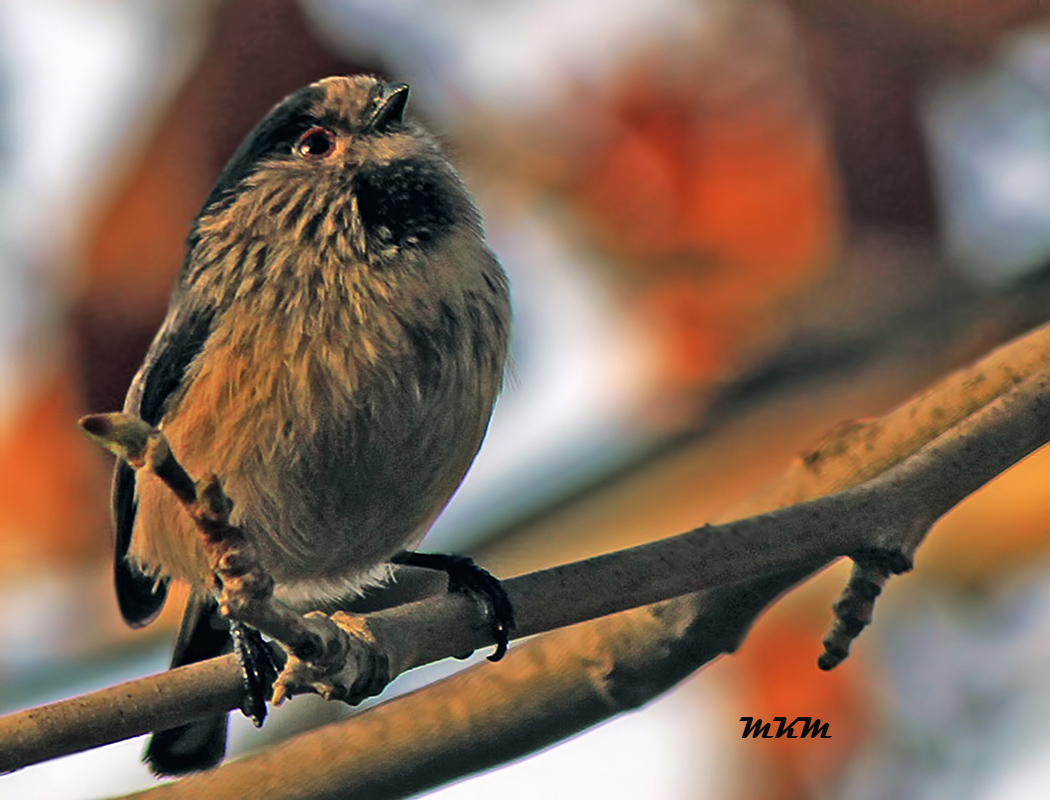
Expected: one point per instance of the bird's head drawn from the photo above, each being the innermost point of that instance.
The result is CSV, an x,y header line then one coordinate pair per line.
x,y
337,165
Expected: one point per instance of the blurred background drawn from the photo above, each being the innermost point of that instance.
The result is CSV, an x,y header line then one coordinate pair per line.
x,y
729,224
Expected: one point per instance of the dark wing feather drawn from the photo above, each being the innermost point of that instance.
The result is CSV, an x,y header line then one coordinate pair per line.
x,y
180,339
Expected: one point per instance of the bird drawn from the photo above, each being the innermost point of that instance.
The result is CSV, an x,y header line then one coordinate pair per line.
x,y
335,342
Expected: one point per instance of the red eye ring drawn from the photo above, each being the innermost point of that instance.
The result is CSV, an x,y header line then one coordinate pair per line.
x,y
317,142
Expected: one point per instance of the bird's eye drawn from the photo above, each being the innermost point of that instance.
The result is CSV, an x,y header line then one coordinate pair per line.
x,y
317,142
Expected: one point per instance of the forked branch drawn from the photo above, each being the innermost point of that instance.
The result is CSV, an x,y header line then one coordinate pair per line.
x,y
556,685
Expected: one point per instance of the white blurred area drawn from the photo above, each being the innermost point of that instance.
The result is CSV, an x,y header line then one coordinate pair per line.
x,y
966,697
664,752
511,57
989,134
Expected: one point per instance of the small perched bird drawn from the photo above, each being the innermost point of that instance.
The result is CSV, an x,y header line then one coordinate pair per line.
x,y
334,345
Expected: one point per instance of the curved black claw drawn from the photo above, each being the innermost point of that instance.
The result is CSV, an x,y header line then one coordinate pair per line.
x,y
257,668
464,575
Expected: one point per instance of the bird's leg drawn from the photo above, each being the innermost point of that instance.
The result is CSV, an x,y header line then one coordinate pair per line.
x,y
464,575
337,661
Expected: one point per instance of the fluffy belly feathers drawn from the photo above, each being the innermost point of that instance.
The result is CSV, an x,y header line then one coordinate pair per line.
x,y
330,470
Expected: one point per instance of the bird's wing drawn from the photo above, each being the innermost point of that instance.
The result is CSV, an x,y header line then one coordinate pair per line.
x,y
177,343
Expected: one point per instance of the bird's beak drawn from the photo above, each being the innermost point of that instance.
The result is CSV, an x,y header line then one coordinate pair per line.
x,y
391,99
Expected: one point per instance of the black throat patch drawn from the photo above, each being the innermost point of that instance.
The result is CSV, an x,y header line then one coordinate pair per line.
x,y
413,202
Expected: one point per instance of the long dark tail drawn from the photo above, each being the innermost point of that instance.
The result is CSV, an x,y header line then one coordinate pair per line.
x,y
202,744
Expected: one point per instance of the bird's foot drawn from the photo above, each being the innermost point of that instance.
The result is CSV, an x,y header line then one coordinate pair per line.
x,y
258,668
349,667
464,575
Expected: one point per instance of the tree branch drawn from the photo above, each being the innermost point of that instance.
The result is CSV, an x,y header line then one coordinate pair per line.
x,y
436,628
557,685
931,453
